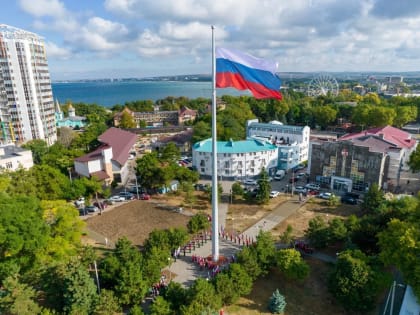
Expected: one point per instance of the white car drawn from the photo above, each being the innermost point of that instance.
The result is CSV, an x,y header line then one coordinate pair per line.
x,y
312,186
300,189
116,198
274,194
325,195
250,182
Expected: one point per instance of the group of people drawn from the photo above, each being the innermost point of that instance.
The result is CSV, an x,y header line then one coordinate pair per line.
x,y
157,287
240,239
212,268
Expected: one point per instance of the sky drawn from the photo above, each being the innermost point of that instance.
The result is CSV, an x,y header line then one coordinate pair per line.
x,y
89,39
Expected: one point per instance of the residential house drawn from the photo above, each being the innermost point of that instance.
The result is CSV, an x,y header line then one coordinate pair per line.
x,y
110,161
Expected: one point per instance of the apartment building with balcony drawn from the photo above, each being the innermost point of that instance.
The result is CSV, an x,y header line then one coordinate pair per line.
x,y
292,141
27,109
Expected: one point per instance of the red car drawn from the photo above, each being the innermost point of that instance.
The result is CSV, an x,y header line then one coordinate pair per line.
x,y
144,197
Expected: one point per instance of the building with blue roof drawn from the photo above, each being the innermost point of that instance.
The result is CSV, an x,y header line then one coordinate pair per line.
x,y
236,159
292,141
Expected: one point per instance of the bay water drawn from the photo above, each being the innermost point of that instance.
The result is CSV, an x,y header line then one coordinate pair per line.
x,y
109,93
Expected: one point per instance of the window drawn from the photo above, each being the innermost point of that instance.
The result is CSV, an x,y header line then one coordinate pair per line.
x,y
227,164
202,163
9,165
203,170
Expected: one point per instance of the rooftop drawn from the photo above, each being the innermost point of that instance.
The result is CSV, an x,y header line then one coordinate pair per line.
x,y
390,134
243,146
121,142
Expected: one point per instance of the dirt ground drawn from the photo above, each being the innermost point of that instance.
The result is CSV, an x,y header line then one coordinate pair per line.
x,y
135,220
308,297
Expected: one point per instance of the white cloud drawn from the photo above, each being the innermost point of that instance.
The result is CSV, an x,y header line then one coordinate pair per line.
x,y
39,8
56,52
303,35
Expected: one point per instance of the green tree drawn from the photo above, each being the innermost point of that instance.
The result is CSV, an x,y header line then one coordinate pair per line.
x,y
263,194
265,249
277,303
147,168
317,232
405,114
170,153
65,228
79,290
201,296
399,244
373,200
160,307
122,272
353,282
107,304
127,121
414,160
233,284
201,131
248,259
198,222
39,149
337,230
176,295
287,235
324,115
23,234
237,190
290,262
17,298
381,116
136,310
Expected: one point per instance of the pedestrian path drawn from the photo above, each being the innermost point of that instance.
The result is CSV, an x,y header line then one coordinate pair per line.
x,y
184,271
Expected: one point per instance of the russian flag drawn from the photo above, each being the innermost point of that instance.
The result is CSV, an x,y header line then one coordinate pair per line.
x,y
245,72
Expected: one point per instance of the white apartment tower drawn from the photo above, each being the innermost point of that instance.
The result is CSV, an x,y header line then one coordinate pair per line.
x,y
27,109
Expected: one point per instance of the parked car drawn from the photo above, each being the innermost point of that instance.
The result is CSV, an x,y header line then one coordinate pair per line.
x,y
127,195
300,175
313,186
80,202
325,195
116,198
274,194
349,199
300,189
201,187
250,182
91,209
144,197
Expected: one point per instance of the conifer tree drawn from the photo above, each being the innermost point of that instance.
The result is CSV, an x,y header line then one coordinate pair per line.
x,y
277,303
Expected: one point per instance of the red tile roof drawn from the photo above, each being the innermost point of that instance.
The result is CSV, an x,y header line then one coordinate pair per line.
x,y
121,142
94,155
391,134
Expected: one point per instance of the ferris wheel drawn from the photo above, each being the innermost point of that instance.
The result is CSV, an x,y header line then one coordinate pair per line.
x,y
323,84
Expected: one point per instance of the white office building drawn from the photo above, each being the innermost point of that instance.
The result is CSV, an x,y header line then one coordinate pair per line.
x,y
27,109
292,141
236,159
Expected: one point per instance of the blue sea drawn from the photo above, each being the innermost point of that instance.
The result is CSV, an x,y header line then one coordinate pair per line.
x,y
118,92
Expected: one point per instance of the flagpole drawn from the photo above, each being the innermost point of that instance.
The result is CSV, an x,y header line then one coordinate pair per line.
x,y
214,192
